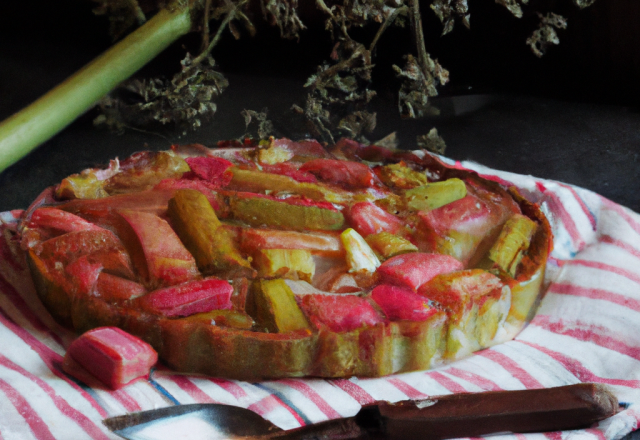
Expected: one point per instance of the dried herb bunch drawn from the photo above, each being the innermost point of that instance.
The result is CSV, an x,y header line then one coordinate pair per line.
x,y
339,91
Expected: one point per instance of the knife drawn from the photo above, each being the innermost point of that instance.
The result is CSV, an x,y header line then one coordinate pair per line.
x,y
441,417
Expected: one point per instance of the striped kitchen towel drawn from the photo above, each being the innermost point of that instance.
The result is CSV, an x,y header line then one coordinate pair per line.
x,y
587,330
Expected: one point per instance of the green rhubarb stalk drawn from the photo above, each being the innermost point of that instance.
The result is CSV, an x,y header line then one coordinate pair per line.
x,y
35,124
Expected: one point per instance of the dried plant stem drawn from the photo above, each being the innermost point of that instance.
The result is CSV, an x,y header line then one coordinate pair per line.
x,y
235,10
35,124
418,33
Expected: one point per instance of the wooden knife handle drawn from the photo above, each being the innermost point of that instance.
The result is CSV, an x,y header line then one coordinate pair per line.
x,y
474,414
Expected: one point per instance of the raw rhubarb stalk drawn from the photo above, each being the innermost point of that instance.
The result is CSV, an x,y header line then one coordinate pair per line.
x,y
38,122
111,355
188,298
434,195
414,269
198,227
274,308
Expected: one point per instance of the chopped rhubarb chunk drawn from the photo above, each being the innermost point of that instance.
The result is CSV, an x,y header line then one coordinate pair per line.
x,y
340,313
112,356
387,245
286,263
347,174
206,188
156,250
469,214
360,256
200,230
58,222
414,269
112,288
273,305
103,212
101,244
303,148
367,218
289,170
215,170
434,195
402,304
465,228
259,211
84,274
316,242
188,298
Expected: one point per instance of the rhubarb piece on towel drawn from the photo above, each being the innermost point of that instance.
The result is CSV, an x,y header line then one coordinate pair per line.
x,y
111,355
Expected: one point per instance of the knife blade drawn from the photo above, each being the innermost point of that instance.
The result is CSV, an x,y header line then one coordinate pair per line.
x,y
441,417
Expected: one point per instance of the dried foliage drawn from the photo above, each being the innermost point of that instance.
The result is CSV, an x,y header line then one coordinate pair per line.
x,y
514,6
546,34
263,126
432,142
123,15
284,14
186,100
583,3
448,10
340,90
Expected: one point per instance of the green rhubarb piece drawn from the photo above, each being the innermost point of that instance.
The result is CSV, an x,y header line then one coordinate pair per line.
x,y
224,318
258,211
147,173
274,155
387,245
513,242
434,195
360,257
399,175
258,182
273,306
198,227
81,186
286,263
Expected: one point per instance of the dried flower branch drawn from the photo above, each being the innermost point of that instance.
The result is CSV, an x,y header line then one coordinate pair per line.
x,y
546,34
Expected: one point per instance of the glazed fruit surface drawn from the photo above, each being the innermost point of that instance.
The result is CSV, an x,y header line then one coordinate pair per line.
x,y
280,258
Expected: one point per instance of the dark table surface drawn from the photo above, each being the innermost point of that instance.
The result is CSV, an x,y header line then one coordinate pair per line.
x,y
594,145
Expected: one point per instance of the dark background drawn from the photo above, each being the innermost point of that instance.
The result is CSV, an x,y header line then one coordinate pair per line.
x,y
572,115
